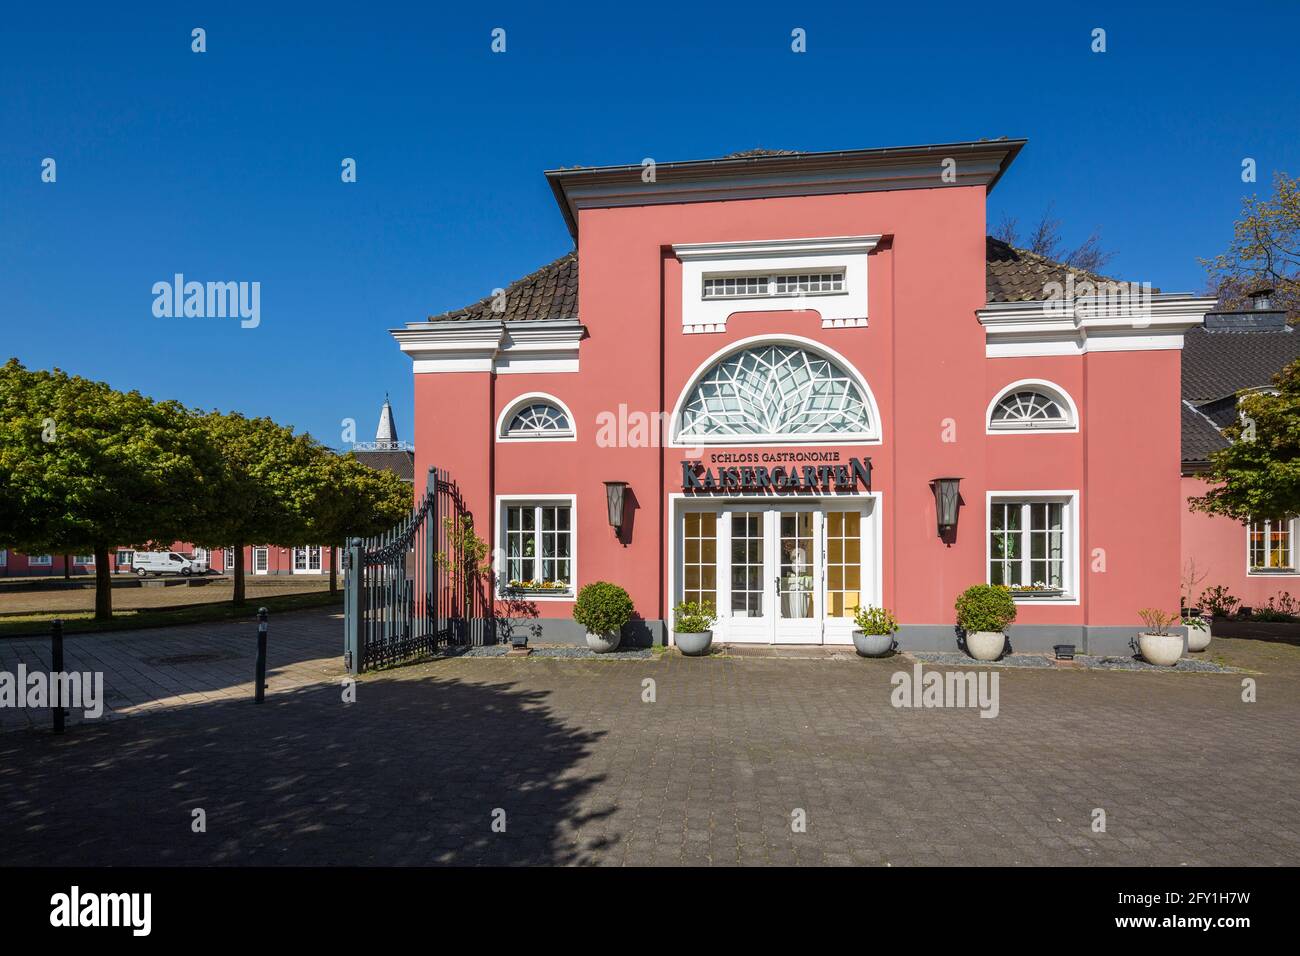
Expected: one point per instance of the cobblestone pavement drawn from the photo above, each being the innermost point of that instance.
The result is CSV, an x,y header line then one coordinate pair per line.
x,y
582,769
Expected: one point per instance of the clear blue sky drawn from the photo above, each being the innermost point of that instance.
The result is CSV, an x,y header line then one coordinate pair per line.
x,y
225,165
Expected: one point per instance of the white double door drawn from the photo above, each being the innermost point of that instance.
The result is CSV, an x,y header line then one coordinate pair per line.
x,y
792,574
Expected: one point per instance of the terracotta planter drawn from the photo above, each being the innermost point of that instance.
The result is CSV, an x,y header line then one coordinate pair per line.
x,y
1161,649
604,643
695,644
985,645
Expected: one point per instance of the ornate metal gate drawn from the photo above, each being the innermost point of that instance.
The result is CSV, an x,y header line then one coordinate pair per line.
x,y
412,590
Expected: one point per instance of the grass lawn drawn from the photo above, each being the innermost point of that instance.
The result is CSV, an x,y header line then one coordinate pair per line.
x,y
200,605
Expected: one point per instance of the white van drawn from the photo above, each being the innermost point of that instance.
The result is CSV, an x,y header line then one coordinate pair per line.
x,y
167,562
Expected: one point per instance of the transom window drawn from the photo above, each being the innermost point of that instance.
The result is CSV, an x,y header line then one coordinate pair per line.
x,y
1272,546
1029,547
775,390
793,283
539,547
1028,408
539,418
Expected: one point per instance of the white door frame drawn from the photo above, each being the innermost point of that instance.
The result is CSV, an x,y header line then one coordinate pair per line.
x,y
266,560
771,628
307,556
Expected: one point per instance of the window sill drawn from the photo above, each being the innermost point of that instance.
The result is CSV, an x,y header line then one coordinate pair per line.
x,y
1272,572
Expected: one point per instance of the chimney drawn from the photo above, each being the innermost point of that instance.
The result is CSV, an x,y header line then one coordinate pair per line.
x,y
1261,299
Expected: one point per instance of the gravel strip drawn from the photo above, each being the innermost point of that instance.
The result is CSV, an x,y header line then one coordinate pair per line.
x,y
1133,664
953,659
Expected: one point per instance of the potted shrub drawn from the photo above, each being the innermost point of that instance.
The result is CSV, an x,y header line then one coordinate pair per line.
x,y
692,627
983,613
874,635
603,608
1198,632
1156,644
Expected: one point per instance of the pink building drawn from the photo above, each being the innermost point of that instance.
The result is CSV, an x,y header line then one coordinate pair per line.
x,y
779,354
1234,352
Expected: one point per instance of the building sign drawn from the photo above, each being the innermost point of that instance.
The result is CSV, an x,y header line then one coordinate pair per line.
x,y
760,472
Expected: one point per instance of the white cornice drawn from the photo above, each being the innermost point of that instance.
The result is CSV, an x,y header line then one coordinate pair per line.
x,y
490,346
773,248
1091,324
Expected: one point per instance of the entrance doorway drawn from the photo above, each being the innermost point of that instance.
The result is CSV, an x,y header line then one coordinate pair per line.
x,y
780,573
260,560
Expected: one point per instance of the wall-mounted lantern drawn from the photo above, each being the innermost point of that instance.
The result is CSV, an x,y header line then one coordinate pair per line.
x,y
945,503
615,492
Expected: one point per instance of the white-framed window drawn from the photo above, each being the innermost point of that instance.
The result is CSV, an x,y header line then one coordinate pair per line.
x,y
228,558
39,560
83,560
306,560
1032,405
4,558
1033,544
125,557
536,417
1271,546
538,554
775,391
732,286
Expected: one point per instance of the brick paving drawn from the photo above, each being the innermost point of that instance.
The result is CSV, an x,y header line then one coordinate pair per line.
x,y
711,772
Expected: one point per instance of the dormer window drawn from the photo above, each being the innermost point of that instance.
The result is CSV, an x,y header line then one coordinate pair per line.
x,y
773,284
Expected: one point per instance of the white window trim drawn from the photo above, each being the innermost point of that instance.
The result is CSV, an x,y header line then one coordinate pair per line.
x,y
320,554
874,436
1256,572
1052,391
847,254
499,550
40,560
83,560
1070,573
532,398
770,283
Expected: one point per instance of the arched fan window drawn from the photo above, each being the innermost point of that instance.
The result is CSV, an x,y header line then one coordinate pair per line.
x,y
537,418
1031,407
775,391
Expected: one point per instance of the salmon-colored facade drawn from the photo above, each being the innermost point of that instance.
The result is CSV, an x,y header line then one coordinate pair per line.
x,y
1089,492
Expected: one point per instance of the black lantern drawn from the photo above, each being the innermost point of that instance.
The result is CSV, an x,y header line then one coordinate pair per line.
x,y
615,492
945,502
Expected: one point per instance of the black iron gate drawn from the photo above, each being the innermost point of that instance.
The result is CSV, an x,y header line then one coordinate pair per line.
x,y
414,589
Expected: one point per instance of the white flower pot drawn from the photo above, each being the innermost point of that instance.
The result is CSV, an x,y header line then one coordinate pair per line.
x,y
985,645
1198,639
873,645
1161,649
604,643
693,644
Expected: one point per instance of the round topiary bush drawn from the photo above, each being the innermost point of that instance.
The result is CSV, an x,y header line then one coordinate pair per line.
x,y
985,607
602,608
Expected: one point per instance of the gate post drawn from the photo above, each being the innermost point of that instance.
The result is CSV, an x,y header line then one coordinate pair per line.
x,y
353,571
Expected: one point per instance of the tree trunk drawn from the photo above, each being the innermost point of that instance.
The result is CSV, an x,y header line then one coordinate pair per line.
x,y
334,569
239,574
67,567
103,585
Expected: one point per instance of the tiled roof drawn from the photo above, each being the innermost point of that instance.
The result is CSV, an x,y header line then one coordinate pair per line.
x,y
1200,436
1013,275
549,293
1018,275
1222,362
399,462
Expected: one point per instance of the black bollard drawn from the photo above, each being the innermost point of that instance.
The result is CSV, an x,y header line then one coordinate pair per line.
x,y
56,669
260,693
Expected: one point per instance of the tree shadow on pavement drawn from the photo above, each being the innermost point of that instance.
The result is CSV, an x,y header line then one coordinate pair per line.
x,y
414,773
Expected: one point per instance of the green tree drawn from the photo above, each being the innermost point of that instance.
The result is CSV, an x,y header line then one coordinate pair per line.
x,y
349,499
1265,250
85,468
1258,475
262,490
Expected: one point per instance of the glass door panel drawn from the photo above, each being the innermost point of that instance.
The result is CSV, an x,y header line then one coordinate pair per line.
x,y
795,579
747,578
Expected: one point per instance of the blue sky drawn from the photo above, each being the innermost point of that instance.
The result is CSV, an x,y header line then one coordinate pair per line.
x,y
225,165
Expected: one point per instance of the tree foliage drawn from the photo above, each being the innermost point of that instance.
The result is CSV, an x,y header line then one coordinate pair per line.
x,y
1258,475
1264,251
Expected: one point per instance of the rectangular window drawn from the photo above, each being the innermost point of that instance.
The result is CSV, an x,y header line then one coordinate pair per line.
x,y
4,558
1028,545
776,284
1271,544
747,564
539,547
125,557
39,560
843,562
83,560
228,558
700,557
